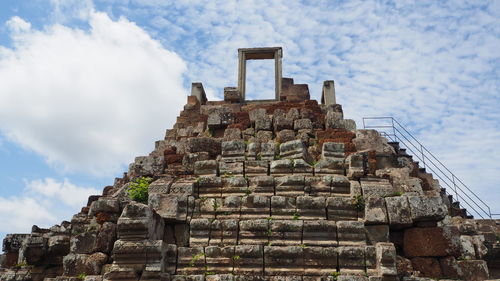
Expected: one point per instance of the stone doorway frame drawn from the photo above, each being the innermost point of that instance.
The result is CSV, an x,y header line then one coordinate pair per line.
x,y
263,53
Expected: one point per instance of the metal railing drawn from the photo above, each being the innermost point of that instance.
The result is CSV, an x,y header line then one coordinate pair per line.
x,y
394,131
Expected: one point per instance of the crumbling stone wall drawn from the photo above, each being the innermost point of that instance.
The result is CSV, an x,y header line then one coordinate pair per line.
x,y
281,190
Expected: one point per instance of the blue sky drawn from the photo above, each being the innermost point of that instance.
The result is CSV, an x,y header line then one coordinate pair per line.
x,y
87,85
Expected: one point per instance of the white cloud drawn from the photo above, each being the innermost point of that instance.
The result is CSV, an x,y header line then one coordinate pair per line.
x,y
88,101
65,191
43,202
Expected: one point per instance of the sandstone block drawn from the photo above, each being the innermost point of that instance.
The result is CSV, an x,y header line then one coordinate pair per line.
x,y
351,233
341,208
205,168
300,124
233,150
264,136
376,187
319,233
318,185
311,207
147,166
83,243
263,122
256,114
209,186
294,150
377,233
398,211
290,185
283,207
474,270
330,166
161,185
231,169
183,187
428,267
375,211
281,167
262,185
267,150
285,232
255,206
341,186
254,232
204,144
320,260
248,260
219,259
351,259
436,244
333,150
234,186
231,206
425,208
256,168
58,245
138,221
105,205
285,136
171,207
190,261
283,260
74,264
386,259
199,232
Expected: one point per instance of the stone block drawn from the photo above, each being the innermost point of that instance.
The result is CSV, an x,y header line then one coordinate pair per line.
x,y
220,117
375,211
318,185
398,211
84,243
207,207
351,233
290,185
231,134
351,259
231,94
371,140
256,168
341,186
136,254
190,261
204,144
58,245
285,136
209,186
474,270
161,185
467,247
341,208
330,166
285,232
263,122
257,113
138,221
224,232
428,267
320,233
450,268
333,150
424,208
171,207
248,260
255,206
219,259
254,232
373,187
74,264
283,260
294,150
147,166
183,187
301,167
262,185
231,169
311,207
230,208
436,244
386,259
267,150
104,205
33,249
281,167
234,186
282,123
264,136
12,242
320,261
205,168
301,124
283,207
355,164
377,233
199,232
233,150
106,237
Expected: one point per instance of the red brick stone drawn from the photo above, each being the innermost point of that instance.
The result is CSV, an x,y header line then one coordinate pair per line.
x,y
425,242
174,158
428,267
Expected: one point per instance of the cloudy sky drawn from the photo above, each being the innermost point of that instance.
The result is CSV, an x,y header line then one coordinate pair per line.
x,y
87,85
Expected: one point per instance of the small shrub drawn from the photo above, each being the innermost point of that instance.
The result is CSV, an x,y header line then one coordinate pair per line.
x,y
21,264
248,191
394,194
359,202
335,275
236,257
138,189
81,276
195,258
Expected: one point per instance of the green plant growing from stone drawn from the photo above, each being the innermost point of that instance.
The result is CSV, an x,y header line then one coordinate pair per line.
x,y
359,202
81,276
393,194
248,191
21,264
215,206
296,216
236,257
195,258
138,189
269,232
335,275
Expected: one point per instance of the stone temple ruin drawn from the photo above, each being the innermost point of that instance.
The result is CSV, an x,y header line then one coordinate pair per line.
x,y
275,190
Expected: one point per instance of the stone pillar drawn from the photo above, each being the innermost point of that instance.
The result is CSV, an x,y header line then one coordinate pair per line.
x,y
198,91
328,93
